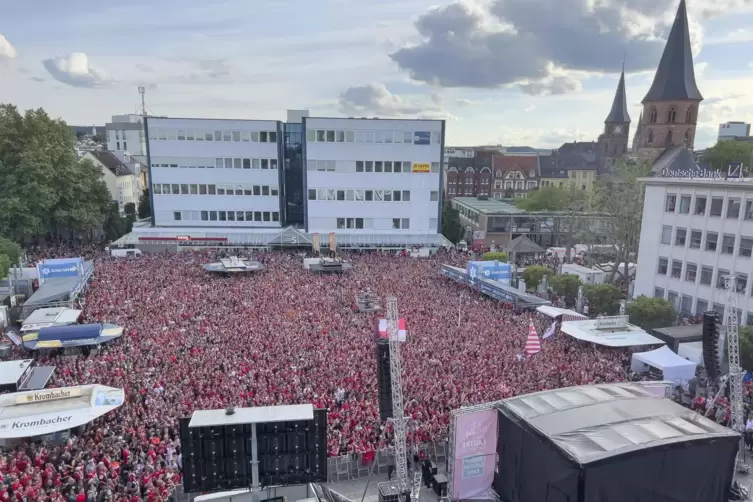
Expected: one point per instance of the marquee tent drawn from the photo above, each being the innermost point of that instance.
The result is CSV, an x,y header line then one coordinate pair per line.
x,y
555,312
674,367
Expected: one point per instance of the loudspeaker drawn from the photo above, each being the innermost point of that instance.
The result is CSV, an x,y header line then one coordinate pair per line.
x,y
384,380
710,339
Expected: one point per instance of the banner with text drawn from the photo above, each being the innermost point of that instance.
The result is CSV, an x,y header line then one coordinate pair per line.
x,y
60,268
315,242
332,242
419,167
475,454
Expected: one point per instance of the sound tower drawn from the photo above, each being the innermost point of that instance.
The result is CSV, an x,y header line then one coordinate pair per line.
x,y
710,338
384,380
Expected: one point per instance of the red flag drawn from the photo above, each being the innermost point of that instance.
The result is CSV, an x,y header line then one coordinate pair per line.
x,y
533,345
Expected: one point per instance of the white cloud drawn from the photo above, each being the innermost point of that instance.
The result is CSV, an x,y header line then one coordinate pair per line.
x,y
7,51
76,71
465,103
377,100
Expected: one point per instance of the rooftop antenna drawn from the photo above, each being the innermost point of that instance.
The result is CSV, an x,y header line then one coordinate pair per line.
x,y
142,91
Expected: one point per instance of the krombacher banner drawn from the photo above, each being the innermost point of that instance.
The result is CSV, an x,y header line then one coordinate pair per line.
x,y
48,395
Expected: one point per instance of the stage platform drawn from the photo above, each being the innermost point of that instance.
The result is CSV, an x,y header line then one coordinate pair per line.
x,y
330,266
234,265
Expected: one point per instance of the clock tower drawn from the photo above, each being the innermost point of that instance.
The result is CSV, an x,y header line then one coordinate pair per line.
x,y
614,140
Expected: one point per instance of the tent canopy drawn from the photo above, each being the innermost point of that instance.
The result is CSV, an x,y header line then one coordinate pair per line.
x,y
674,367
554,312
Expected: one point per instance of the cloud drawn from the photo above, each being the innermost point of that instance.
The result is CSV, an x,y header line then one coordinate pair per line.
x,y
7,51
76,71
510,42
465,103
37,79
144,68
377,100
551,86
215,68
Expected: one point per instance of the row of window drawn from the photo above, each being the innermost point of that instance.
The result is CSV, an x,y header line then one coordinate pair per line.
x,y
715,208
684,305
695,241
204,135
269,216
226,189
371,166
375,137
361,223
365,195
704,276
671,115
225,163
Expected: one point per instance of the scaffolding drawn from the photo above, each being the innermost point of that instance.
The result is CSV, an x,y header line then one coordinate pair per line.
x,y
735,372
398,411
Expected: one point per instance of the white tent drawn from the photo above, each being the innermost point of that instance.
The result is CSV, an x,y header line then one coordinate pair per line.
x,y
674,367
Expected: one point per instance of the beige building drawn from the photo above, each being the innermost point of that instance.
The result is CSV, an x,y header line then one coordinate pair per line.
x,y
125,181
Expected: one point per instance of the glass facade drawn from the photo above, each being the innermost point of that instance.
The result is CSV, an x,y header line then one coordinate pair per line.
x,y
293,172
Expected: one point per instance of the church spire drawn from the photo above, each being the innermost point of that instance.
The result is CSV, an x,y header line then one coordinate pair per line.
x,y
619,113
675,77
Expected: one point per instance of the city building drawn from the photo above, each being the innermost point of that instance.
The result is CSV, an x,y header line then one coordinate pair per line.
x,y
215,173
492,174
497,223
294,197
125,136
125,181
613,141
551,174
514,175
733,131
373,176
695,232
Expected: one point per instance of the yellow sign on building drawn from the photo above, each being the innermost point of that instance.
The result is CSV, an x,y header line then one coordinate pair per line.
x,y
421,168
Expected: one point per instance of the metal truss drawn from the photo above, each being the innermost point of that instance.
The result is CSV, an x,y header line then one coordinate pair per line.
x,y
733,355
398,408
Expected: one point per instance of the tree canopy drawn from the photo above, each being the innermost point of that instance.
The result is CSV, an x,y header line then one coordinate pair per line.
x,y
451,227
723,153
534,274
746,347
145,205
566,286
603,299
651,313
44,188
550,198
495,256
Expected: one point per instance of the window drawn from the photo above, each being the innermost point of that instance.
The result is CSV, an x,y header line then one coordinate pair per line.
x,y
184,189
720,276
231,216
397,195
663,264
257,215
369,195
265,190
240,216
194,189
706,274
741,282
686,305
749,209
434,196
746,247
716,206
672,298
254,138
652,116
248,190
220,189
689,116
227,136
340,136
671,115
658,292
212,189
359,195
272,136
666,234
341,195
387,166
330,136
236,135
395,223
176,215
275,216
695,239
405,223
650,137
676,269
369,166
406,195
223,215
208,136
728,244
712,239
181,135
158,189
256,163
733,209
359,166
266,216
176,189
212,215
350,137
237,163
273,163
218,135
685,204
680,236
435,167
691,271
700,205
669,204
701,306
378,166
265,163
205,216
246,163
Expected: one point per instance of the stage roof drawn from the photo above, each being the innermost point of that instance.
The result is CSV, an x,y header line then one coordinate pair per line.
x,y
594,422
257,414
690,333
631,336
11,371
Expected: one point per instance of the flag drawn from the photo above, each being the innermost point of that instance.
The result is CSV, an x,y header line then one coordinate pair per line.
x,y
401,329
550,331
533,345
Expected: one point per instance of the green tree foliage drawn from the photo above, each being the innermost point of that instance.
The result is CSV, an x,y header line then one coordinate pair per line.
x,y
10,249
723,153
746,347
651,313
603,299
130,209
495,256
44,188
145,205
114,225
566,286
534,274
545,199
4,266
451,227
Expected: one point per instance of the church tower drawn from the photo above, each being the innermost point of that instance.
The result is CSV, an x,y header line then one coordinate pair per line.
x,y
614,140
670,108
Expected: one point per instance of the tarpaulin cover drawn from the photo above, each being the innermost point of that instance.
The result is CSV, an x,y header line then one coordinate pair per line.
x,y
72,332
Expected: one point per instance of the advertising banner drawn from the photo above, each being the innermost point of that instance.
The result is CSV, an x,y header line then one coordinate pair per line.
x,y
475,454
332,242
315,242
421,167
422,138
492,270
56,269
48,395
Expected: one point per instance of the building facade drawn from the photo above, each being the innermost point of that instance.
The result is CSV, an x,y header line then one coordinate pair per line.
x,y
733,131
124,180
696,232
125,135
215,173
375,176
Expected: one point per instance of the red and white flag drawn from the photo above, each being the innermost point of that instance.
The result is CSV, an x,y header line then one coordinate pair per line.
x,y
401,329
533,345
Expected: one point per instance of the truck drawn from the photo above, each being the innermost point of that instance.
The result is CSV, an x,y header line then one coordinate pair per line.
x,y
587,275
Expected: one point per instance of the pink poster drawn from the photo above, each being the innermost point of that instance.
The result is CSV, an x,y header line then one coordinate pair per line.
x,y
475,454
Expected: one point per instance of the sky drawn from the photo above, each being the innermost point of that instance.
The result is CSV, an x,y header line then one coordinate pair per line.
x,y
507,72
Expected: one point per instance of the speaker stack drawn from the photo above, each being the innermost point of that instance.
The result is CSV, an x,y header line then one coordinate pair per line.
x,y
384,380
710,338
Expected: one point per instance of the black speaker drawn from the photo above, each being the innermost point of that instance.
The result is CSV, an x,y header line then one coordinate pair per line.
x,y
710,339
384,380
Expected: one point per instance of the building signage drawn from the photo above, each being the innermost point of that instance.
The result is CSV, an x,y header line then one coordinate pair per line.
x,y
613,322
183,238
40,422
57,269
422,138
421,167
48,395
713,174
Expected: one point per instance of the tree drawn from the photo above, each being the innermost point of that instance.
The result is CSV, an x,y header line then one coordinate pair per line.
x,y
651,313
10,249
534,274
549,198
566,286
4,266
721,155
746,347
620,200
603,299
495,256
130,209
145,205
451,227
114,225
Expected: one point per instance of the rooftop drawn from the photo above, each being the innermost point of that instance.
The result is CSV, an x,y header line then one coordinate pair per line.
x,y
744,184
498,207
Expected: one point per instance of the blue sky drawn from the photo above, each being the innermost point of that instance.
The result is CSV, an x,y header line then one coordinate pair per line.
x,y
511,72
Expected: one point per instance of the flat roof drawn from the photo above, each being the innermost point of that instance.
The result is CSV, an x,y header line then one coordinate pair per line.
x,y
682,332
255,415
11,371
631,336
745,184
499,207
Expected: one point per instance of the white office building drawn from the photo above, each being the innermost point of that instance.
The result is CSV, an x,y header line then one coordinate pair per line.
x,y
125,136
215,173
373,176
694,233
732,130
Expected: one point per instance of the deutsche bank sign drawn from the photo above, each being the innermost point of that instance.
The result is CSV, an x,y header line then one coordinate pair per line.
x,y
713,174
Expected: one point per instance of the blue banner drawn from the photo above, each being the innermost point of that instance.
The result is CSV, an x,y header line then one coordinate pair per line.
x,y
491,270
421,138
56,269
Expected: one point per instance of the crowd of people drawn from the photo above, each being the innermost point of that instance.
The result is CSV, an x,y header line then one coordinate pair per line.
x,y
282,336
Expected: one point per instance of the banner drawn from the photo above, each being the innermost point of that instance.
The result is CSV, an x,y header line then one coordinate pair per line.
x,y
421,167
475,454
332,242
56,269
315,242
422,138
48,395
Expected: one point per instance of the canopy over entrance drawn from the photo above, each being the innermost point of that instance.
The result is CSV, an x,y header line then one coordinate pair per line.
x,y
675,368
